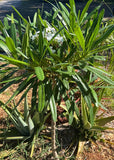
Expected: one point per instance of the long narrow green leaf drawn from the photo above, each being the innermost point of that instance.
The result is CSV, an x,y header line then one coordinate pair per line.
x,y
71,113
43,22
73,9
85,10
104,36
13,30
14,61
64,9
41,43
19,24
91,28
7,110
95,97
27,117
67,102
11,79
21,53
3,30
92,13
35,19
26,109
21,125
7,86
96,29
39,72
20,15
65,15
24,94
101,74
100,49
2,38
84,114
80,36
21,87
83,86
41,97
103,121
66,84
65,72
87,95
4,47
53,108
55,57
34,97
11,46
17,120
30,126
99,128
25,40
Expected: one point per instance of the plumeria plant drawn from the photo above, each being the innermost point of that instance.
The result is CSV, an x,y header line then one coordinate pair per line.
x,y
57,61
87,37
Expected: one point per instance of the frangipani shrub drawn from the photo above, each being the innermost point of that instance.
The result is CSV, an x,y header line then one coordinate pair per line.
x,y
58,61
87,37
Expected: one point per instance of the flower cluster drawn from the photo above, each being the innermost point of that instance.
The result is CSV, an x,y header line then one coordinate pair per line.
x,y
49,33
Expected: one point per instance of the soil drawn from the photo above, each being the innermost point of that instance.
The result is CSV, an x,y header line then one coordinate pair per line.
x,y
102,149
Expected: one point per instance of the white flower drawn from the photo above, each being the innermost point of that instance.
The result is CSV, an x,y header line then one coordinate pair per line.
x,y
59,39
49,34
35,36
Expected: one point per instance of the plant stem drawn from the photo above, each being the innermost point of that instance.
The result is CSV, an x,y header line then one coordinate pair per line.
x,y
53,138
33,142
